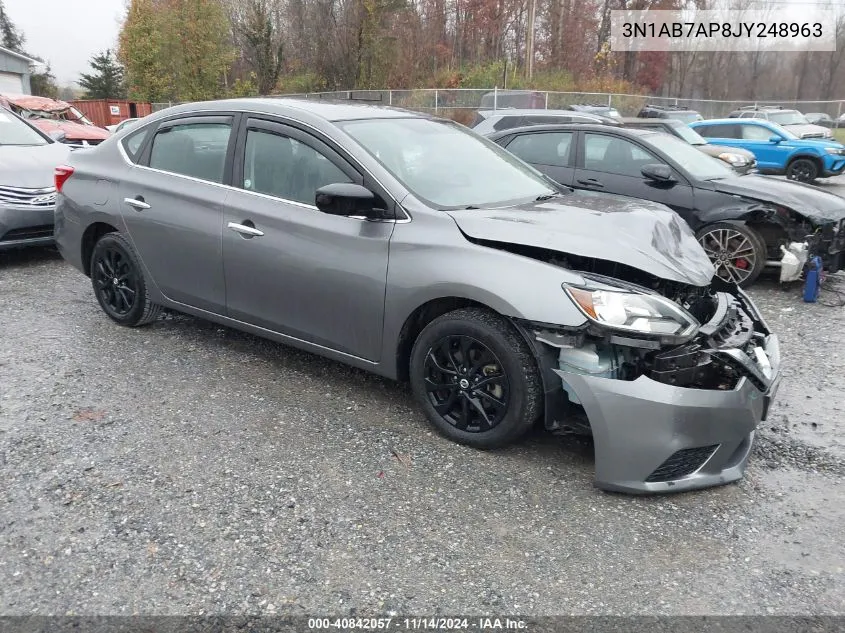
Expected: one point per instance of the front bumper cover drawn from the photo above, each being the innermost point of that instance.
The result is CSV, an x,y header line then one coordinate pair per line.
x,y
653,437
25,226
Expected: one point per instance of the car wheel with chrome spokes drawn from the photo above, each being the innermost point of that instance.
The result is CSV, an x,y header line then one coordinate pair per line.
x,y
119,283
476,378
737,251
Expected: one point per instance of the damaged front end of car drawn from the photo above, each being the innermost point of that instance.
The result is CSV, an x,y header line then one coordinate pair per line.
x,y
670,380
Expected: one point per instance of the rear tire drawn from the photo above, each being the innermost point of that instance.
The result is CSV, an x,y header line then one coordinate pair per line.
x,y
802,170
737,251
490,388
118,280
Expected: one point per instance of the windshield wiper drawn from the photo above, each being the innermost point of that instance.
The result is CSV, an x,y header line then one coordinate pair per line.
x,y
548,196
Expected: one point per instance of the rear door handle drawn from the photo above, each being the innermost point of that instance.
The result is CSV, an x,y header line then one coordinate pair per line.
x,y
590,182
137,203
244,229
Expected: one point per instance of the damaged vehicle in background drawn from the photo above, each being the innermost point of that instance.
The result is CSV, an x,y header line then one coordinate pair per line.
x,y
507,298
58,119
27,191
744,223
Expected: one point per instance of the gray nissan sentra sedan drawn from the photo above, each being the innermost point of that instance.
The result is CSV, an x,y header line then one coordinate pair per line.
x,y
411,247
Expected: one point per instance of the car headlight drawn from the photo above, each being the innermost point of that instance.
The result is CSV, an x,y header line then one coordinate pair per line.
x,y
634,312
839,151
733,159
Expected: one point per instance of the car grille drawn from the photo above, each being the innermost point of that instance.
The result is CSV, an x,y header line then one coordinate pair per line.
x,y
44,198
29,233
812,135
682,463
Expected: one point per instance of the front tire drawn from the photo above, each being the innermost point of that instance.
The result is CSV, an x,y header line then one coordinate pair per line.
x,y
802,170
476,378
119,284
737,251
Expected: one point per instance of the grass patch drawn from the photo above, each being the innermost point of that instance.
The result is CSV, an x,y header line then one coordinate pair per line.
x,y
839,135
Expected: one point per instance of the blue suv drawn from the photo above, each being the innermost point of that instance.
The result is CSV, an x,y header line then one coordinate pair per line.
x,y
778,150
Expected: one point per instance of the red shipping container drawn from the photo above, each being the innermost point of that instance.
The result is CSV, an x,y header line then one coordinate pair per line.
x,y
103,112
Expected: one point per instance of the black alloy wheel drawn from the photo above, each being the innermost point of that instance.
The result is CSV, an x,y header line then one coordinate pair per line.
x,y
802,170
466,383
118,280
476,378
115,282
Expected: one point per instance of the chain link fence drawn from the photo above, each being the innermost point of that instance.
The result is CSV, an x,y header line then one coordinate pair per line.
x,y
461,104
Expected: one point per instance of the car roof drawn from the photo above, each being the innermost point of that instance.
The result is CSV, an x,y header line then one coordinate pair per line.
x,y
527,111
327,110
731,121
572,127
638,120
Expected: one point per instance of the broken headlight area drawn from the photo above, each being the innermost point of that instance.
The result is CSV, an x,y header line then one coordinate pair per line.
x,y
727,345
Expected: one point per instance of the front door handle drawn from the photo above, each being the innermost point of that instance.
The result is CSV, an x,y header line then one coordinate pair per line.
x,y
137,203
245,229
590,182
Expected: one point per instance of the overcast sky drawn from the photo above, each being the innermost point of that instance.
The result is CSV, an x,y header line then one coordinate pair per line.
x,y
67,32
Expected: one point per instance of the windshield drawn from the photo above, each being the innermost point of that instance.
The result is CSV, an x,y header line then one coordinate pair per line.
x,y
689,135
790,117
699,165
687,117
16,132
447,166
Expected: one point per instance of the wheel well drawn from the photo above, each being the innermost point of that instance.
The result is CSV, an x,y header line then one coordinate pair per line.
x,y
773,236
814,159
91,236
417,321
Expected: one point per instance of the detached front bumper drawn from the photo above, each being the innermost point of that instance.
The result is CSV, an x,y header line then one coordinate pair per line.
x,y
652,436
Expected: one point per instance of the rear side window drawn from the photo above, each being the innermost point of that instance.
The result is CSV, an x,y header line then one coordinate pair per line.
x,y
547,148
193,149
133,143
719,131
507,123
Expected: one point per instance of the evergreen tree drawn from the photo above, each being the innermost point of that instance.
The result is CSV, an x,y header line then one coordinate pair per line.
x,y
106,82
10,36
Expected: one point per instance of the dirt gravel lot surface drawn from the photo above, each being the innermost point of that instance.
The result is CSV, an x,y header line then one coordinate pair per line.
x,y
187,468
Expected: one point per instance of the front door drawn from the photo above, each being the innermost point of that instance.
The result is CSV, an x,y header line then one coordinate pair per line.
x,y
613,165
290,268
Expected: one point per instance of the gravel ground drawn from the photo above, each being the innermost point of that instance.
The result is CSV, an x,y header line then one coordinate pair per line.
x,y
187,468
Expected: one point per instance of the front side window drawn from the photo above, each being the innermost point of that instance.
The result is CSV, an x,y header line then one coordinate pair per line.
x,y
613,155
446,165
756,133
283,167
13,131
544,148
192,149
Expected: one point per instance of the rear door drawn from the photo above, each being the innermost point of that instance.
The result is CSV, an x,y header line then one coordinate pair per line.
x,y
613,164
549,151
172,203
290,268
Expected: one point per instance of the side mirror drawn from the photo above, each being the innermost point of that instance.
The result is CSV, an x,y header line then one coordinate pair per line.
x,y
657,172
347,199
775,139
57,135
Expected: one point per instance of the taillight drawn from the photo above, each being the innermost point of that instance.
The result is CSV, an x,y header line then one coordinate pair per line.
x,y
62,173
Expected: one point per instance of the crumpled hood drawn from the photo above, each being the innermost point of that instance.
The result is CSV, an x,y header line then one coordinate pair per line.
x,y
31,167
637,233
811,202
74,131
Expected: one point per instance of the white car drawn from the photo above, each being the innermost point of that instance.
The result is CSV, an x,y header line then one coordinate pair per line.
x,y
117,127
